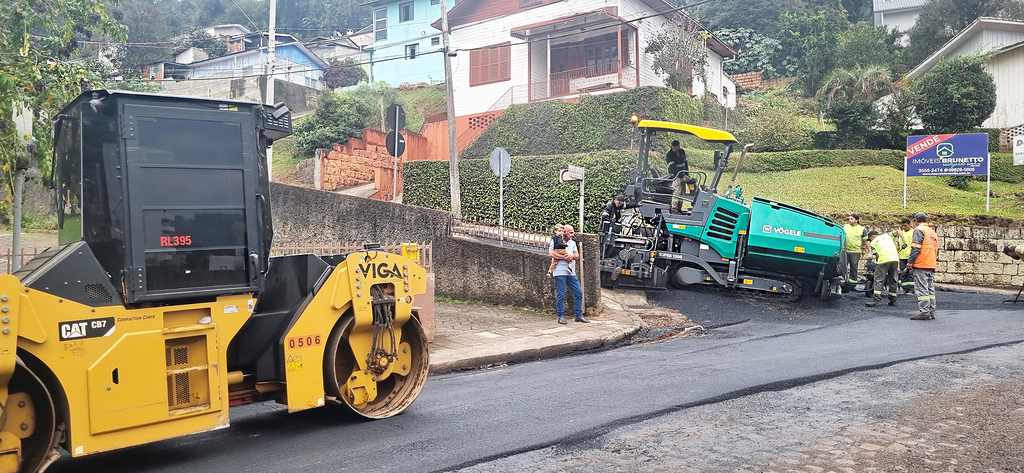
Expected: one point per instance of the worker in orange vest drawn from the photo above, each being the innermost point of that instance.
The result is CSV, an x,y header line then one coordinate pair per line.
x,y
924,254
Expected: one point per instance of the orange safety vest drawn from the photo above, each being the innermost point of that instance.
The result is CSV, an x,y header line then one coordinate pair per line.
x,y
928,249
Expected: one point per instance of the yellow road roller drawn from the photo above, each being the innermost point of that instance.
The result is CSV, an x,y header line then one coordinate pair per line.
x,y
161,307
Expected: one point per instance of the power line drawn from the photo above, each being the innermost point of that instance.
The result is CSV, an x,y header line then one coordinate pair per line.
x,y
247,17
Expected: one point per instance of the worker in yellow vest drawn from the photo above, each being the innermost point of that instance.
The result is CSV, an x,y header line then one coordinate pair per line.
x,y
906,277
855,237
887,259
924,257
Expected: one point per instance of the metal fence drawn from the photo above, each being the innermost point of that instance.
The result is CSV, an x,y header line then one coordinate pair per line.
x,y
9,257
421,252
489,229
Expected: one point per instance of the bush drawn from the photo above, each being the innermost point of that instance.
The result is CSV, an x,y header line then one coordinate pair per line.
x,y
956,95
778,129
870,140
593,123
336,119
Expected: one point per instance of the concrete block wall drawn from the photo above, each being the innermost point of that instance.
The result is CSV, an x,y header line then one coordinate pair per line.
x,y
464,269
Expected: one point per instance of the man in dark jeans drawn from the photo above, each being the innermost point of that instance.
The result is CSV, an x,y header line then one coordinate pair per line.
x,y
679,168
565,275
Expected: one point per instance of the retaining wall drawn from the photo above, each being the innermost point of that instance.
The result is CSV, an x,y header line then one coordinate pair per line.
x,y
464,269
973,256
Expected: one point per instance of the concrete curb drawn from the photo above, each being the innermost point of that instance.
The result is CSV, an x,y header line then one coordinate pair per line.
x,y
976,289
531,353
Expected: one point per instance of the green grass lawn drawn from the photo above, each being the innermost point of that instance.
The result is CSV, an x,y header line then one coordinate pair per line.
x,y
420,102
878,190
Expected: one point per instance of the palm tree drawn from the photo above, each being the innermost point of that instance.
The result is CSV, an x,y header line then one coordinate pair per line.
x,y
847,98
859,84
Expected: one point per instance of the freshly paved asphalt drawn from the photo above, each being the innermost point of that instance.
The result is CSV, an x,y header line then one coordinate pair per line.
x,y
466,418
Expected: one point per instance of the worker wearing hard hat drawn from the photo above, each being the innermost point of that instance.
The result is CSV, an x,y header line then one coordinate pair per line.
x,y
1015,252
855,236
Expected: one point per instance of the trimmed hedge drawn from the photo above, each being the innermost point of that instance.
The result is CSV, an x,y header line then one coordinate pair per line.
x,y
535,199
533,196
593,123
879,140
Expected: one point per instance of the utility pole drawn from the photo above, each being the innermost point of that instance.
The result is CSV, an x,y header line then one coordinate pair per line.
x,y
453,150
269,99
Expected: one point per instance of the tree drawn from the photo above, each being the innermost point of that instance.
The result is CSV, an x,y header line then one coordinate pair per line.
x,y
940,20
858,10
37,37
956,95
866,45
896,114
756,52
148,39
343,73
762,16
336,119
680,54
848,100
810,41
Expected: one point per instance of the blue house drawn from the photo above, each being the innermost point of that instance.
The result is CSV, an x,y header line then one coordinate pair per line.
x,y
405,47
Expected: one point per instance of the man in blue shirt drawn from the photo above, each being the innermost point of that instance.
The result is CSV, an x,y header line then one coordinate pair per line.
x,y
565,275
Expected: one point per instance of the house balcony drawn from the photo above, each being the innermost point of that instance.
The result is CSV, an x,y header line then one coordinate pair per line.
x,y
585,80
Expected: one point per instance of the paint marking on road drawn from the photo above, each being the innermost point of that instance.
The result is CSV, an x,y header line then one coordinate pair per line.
x,y
488,335
553,330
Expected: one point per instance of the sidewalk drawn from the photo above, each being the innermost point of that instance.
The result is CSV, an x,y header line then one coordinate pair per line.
x,y
471,335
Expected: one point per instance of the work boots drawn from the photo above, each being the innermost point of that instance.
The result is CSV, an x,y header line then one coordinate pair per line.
x,y
926,316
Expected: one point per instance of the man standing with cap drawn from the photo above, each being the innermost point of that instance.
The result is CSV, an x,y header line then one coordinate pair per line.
x,y
855,236
924,254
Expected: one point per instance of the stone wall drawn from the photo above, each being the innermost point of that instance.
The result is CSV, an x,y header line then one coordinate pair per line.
x,y
973,256
464,269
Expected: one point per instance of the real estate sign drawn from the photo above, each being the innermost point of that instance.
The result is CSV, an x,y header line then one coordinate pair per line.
x,y
947,155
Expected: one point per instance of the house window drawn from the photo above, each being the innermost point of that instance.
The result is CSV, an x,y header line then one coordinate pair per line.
x,y
405,12
380,24
528,2
602,58
490,64
435,41
411,50
435,2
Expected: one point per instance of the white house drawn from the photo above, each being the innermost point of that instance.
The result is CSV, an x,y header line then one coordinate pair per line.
x,y
897,14
1005,39
532,50
338,47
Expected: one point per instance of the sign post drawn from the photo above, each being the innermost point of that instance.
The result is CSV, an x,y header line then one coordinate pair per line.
x,y
501,162
948,155
395,142
574,173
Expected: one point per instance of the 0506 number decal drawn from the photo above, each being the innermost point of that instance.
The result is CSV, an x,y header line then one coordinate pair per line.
x,y
304,341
